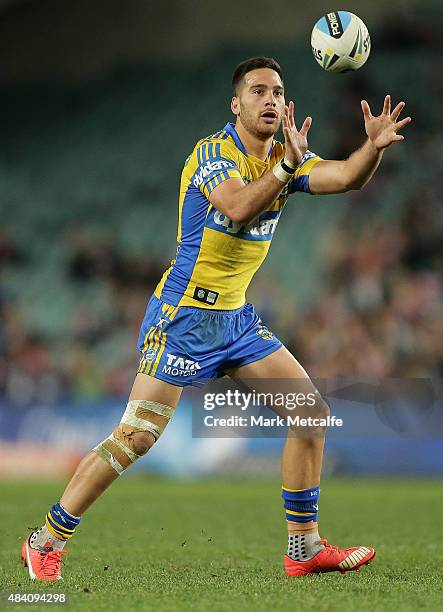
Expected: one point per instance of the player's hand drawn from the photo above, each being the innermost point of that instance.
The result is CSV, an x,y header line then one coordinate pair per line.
x,y
382,130
296,142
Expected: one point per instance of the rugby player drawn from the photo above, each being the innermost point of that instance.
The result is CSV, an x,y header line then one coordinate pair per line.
x,y
197,326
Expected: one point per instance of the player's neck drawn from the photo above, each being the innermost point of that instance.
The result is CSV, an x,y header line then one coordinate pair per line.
x,y
253,145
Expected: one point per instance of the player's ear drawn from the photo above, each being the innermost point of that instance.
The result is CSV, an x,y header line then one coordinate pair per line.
x,y
235,105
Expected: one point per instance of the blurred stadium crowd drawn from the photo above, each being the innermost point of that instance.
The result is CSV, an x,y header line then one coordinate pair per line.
x,y
381,311
74,280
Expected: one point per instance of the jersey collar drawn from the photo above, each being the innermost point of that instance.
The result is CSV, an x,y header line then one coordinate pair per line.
x,y
230,129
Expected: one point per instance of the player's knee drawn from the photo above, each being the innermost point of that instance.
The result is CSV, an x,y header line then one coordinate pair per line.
x,y
321,408
142,442
316,408
142,424
313,417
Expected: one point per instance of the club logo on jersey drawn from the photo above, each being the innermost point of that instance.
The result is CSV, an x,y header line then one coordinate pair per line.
x,y
205,295
180,366
264,332
208,168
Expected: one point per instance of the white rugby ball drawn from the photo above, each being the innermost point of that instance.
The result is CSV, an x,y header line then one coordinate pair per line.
x,y
340,42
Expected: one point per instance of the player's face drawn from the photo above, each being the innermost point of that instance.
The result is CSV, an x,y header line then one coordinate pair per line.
x,y
260,102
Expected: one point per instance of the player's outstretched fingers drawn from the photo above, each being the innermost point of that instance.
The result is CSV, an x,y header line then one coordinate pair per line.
x,y
291,114
366,110
397,110
305,127
401,124
387,105
284,121
285,127
286,115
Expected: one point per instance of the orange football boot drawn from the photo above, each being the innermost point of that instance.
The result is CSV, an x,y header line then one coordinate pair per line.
x,y
331,559
43,563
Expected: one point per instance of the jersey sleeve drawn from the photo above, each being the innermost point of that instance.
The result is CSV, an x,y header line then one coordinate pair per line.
x,y
215,162
300,182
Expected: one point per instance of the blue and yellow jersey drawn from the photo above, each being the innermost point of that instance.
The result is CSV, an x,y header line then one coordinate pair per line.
x,y
216,257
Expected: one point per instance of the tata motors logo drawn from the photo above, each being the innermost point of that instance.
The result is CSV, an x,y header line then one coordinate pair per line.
x,y
180,366
209,168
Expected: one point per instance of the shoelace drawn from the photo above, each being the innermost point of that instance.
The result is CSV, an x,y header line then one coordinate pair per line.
x,y
329,547
51,561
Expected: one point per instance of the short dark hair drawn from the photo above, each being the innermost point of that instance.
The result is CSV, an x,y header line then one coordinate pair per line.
x,y
252,64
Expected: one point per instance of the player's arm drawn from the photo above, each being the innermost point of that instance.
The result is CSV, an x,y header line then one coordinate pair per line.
x,y
330,176
242,203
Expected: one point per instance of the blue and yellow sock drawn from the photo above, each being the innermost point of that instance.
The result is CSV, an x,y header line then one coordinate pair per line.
x,y
301,507
59,527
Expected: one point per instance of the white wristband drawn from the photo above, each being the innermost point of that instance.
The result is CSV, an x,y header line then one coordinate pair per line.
x,y
280,171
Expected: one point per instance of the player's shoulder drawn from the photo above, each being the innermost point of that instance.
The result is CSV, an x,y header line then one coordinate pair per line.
x,y
216,146
219,136
221,141
210,153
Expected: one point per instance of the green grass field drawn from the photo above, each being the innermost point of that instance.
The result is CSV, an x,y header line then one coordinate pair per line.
x,y
217,545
